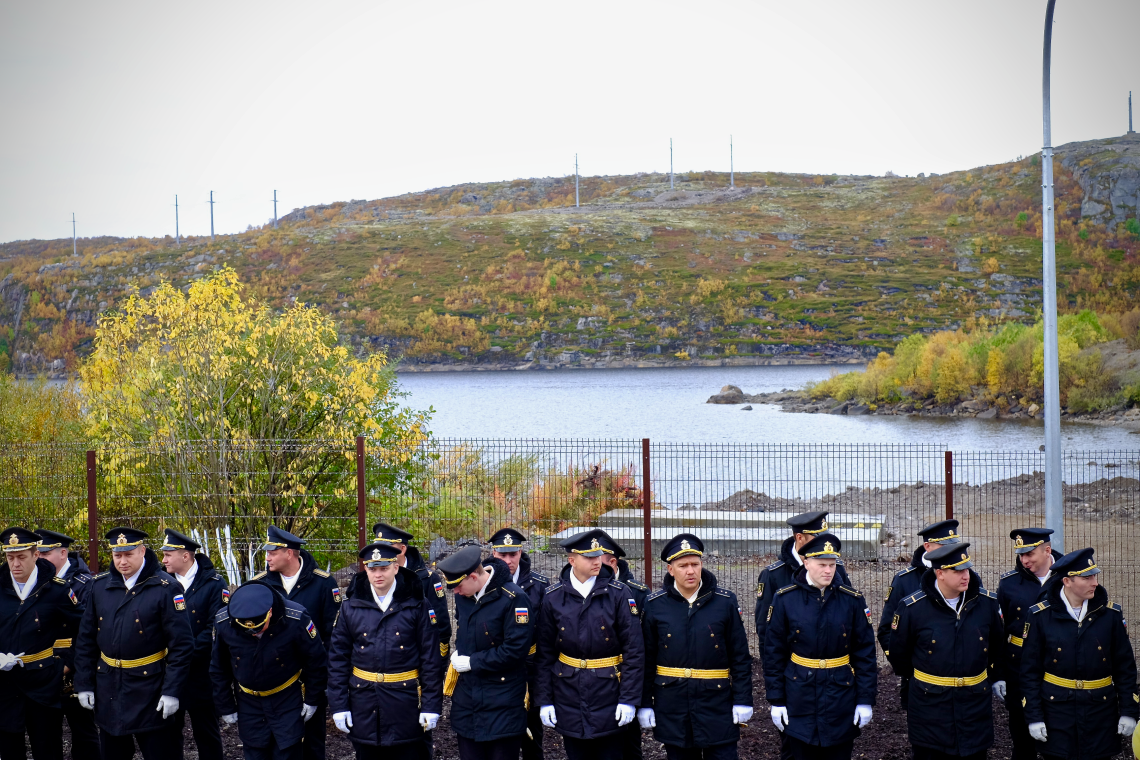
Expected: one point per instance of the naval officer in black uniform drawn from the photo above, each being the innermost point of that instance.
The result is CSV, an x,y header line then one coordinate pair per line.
x,y
385,673
591,655
698,672
294,574
507,545
949,638
268,668
819,658
134,652
1078,672
494,631
36,609
1018,590
56,549
204,591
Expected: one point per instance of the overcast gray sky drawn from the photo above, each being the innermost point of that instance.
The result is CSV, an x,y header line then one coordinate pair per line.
x,y
110,109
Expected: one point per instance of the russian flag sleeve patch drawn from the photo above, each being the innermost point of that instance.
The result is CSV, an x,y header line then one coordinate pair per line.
x,y
312,629
179,602
522,615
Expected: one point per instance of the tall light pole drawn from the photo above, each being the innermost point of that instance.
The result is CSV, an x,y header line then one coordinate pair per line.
x,y
731,176
670,163
576,181
74,249
274,209
1054,510
211,216
177,236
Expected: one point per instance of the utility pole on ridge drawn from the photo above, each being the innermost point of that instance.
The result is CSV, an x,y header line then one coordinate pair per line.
x,y
74,251
670,163
177,236
211,216
731,176
576,204
1130,112
274,209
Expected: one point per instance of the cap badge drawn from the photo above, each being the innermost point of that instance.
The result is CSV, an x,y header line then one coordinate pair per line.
x,y
950,534
121,540
685,545
1018,541
376,554
594,544
964,557
823,525
1090,561
379,534
828,548
13,540
507,540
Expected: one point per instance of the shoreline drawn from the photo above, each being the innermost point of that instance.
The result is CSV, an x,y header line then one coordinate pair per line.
x,y
605,364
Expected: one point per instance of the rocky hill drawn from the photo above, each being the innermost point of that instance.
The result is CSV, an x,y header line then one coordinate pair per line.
x,y
779,268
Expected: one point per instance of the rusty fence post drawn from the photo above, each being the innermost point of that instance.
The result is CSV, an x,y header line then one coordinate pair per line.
x,y
92,517
949,485
646,508
361,495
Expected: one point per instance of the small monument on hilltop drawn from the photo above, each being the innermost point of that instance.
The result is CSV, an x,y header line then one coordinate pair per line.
x,y
1130,113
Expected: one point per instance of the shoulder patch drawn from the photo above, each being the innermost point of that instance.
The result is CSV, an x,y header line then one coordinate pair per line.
x,y
320,573
508,592
917,596
223,615
636,585
1114,606
987,592
775,565
103,574
847,589
839,562
786,588
901,573
539,577
57,579
617,584
258,577
1008,574
82,577
655,595
553,586
1040,606
293,613
724,593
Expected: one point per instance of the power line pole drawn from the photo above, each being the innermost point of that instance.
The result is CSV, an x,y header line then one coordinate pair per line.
x,y
274,209
211,216
1054,509
74,250
177,236
576,204
731,176
1130,112
670,163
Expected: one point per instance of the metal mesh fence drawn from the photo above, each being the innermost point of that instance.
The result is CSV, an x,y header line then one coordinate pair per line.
x,y
451,491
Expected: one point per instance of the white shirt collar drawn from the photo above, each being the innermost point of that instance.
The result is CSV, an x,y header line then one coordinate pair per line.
x,y
927,562
1076,613
383,601
799,559
951,602
1047,576
130,582
583,588
696,593
63,570
188,579
515,577
480,592
25,588
289,581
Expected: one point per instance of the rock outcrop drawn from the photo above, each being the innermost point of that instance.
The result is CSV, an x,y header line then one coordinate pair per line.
x,y
1109,173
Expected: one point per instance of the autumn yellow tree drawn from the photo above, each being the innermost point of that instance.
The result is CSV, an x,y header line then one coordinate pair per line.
x,y
240,414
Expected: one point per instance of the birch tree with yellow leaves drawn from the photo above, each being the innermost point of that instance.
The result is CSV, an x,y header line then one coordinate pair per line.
x,y
236,414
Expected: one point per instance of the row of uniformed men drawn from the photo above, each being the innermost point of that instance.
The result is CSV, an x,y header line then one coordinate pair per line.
x,y
1050,644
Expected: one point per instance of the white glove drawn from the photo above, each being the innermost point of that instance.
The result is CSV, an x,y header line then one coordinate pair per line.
x,y
307,711
547,716
624,714
86,700
461,662
780,717
999,690
167,706
647,718
863,715
230,719
428,720
1125,726
343,720
1037,731
9,661
741,713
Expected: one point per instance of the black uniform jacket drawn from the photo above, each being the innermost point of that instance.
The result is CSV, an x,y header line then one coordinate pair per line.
x,y
707,635
78,579
433,587
820,624
400,640
906,582
203,600
534,584
315,590
31,627
1081,723
777,575
289,646
1018,590
930,638
131,625
496,633
604,624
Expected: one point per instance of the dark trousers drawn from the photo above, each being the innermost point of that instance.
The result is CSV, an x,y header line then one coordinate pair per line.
x,y
719,752
926,753
163,744
499,749
406,751
630,739
1024,745
44,726
532,745
606,748
84,734
785,747
313,744
207,734
273,752
801,750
